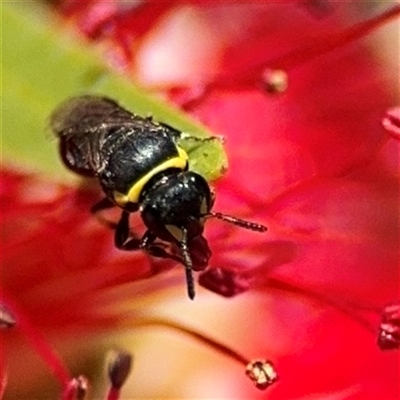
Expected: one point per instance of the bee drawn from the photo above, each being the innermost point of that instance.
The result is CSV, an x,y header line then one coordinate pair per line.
x,y
141,168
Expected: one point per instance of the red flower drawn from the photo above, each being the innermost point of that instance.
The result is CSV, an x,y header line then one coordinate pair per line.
x,y
313,163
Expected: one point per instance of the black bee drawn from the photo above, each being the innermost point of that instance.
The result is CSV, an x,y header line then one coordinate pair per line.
x,y
140,167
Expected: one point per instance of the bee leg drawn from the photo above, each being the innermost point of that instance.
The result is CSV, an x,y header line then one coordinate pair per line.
x,y
147,240
189,137
122,232
124,241
175,133
103,204
178,135
156,249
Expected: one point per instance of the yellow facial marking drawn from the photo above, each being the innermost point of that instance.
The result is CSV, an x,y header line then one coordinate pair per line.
x,y
175,232
203,207
133,194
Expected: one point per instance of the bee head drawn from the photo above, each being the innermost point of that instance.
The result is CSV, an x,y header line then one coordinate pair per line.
x,y
176,201
174,206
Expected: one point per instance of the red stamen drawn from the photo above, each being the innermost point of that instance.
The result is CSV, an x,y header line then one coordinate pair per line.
x,y
274,80
317,8
319,47
219,347
253,77
76,389
118,372
42,347
224,282
389,330
113,394
262,373
3,383
256,370
391,122
6,319
345,309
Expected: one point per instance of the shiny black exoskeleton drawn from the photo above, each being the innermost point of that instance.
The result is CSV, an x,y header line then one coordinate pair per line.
x,y
140,167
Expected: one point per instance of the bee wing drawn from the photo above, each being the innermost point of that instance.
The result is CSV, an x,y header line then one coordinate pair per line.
x,y
80,116
82,125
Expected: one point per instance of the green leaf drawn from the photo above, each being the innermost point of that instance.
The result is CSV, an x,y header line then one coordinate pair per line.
x,y
43,64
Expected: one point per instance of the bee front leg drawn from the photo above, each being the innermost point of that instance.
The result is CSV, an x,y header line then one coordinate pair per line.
x,y
103,204
156,249
96,209
124,242
122,232
123,239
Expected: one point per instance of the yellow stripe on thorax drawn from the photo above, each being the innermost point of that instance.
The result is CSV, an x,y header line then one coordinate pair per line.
x,y
133,194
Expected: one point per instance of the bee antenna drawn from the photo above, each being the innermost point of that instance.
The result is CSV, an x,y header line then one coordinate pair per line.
x,y
237,221
187,261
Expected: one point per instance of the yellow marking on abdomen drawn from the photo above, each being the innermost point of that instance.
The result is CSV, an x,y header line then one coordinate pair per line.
x,y
133,194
